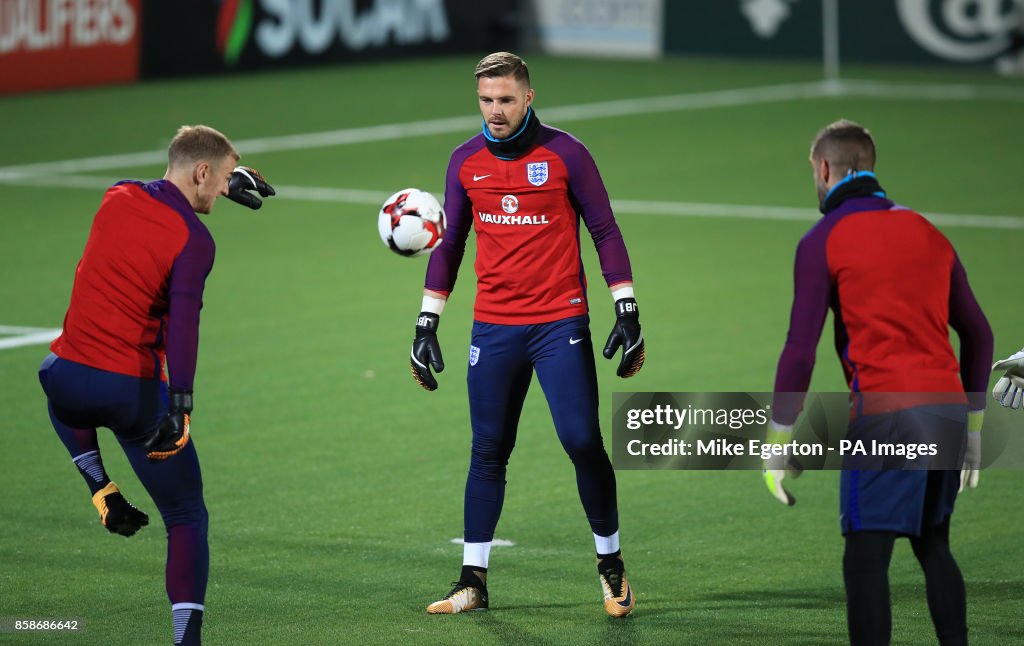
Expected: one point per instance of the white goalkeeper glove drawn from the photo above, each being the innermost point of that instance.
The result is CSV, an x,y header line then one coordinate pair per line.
x,y
777,467
1009,390
972,458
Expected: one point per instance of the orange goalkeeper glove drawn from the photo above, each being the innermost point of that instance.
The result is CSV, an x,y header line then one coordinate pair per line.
x,y
171,435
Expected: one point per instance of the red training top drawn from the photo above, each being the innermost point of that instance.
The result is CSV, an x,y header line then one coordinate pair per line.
x,y
139,285
526,212
896,286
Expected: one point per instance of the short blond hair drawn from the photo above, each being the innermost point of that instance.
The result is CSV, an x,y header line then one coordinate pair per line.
x,y
199,143
503,64
846,145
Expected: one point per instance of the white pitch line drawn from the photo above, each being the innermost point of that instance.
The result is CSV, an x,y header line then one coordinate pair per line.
x,y
496,542
692,209
302,193
756,212
693,101
580,112
929,92
633,207
327,194
20,329
66,181
388,132
39,337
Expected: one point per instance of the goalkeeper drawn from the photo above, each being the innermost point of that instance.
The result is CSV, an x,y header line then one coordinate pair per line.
x,y
895,286
135,302
530,315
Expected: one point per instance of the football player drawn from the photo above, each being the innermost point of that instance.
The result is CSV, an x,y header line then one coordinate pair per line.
x,y
896,286
526,187
126,356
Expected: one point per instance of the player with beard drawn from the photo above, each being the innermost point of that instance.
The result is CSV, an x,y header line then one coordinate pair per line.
x,y
525,187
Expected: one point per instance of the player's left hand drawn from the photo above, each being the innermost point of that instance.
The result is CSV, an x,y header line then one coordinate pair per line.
x,y
777,467
171,435
971,468
1009,390
626,333
245,179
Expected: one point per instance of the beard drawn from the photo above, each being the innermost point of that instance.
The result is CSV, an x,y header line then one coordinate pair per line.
x,y
510,126
821,188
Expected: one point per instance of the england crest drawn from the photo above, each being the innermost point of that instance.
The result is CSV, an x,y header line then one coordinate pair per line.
x,y
537,173
474,355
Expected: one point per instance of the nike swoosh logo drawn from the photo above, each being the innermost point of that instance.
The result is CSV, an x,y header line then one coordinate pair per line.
x,y
573,341
629,597
477,178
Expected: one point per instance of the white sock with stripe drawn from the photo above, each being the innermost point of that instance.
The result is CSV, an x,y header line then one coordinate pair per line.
x,y
91,466
182,614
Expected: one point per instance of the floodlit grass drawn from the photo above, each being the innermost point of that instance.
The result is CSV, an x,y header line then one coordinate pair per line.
x,y
335,484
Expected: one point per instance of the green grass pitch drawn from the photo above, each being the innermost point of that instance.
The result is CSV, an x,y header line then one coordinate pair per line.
x,y
334,484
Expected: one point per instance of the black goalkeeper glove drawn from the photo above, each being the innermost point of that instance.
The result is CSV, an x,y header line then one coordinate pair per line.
x,y
171,435
626,333
426,351
245,179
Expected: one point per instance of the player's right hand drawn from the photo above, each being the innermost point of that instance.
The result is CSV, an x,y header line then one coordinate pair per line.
x,y
1009,390
171,435
426,351
245,179
777,467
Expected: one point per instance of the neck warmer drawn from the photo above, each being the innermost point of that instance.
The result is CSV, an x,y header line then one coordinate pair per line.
x,y
519,142
861,183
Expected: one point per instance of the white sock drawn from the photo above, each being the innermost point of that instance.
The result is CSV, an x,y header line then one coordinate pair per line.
x,y
607,544
476,554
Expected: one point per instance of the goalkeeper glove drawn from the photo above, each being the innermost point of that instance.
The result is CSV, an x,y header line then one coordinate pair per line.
x,y
171,435
626,333
777,467
1009,390
426,351
972,458
245,179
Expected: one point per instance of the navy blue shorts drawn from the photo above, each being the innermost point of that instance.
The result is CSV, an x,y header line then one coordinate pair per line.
x,y
85,397
905,497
